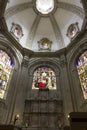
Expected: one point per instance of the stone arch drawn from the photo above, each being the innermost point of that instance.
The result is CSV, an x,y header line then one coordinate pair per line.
x,y
8,105
52,63
49,62
75,86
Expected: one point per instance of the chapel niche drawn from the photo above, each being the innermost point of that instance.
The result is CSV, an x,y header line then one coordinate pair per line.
x,y
43,108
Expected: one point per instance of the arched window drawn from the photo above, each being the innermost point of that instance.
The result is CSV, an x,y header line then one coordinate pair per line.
x,y
6,66
81,64
44,77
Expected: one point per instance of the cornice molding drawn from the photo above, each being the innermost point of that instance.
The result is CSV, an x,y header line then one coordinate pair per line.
x,y
72,8
2,7
17,8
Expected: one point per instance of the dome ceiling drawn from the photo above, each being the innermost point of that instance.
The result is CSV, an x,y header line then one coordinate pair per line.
x,y
50,25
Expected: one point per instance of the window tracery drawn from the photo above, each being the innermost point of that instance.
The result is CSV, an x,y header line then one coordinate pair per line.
x,y
6,66
81,65
44,77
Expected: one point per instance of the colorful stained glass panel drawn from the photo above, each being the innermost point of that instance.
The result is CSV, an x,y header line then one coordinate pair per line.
x,y
81,65
44,77
5,71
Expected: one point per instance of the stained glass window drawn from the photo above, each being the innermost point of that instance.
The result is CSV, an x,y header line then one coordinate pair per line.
x,y
44,77
81,64
5,70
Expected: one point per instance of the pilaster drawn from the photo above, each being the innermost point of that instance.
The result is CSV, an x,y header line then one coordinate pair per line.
x,y
65,88
21,91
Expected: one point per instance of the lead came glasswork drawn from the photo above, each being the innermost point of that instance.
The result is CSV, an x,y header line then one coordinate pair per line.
x,y
81,64
5,70
44,77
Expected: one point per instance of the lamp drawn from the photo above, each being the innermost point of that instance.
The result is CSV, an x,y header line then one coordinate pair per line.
x,y
16,118
27,124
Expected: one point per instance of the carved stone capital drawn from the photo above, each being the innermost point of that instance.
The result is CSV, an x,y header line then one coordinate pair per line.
x,y
63,61
25,61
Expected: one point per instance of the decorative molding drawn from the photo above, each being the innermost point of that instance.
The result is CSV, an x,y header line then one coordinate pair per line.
x,y
53,63
84,25
6,44
73,8
84,3
33,30
57,31
3,26
2,7
17,8
3,38
25,61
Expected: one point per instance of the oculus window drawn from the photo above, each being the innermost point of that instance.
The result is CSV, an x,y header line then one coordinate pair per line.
x,y
45,6
44,77
81,65
6,66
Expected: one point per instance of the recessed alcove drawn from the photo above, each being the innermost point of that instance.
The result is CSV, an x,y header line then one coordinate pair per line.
x,y
43,112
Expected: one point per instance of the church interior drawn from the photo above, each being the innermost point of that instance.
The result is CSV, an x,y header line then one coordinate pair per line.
x,y
43,64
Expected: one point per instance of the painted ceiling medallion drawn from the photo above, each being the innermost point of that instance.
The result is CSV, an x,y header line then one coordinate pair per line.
x,y
16,31
73,29
44,44
45,6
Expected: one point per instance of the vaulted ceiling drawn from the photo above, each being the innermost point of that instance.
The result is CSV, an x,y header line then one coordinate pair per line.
x,y
36,26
